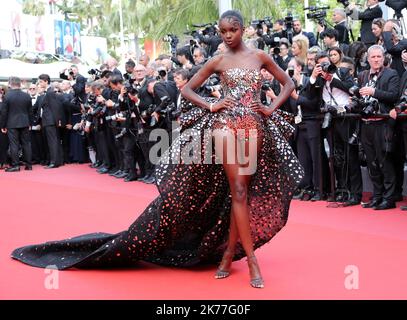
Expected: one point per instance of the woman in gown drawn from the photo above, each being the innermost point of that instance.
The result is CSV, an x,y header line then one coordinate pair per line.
x,y
198,203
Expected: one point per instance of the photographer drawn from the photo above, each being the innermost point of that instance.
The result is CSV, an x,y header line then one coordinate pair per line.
x,y
112,66
95,120
199,56
181,78
129,66
209,37
401,137
270,88
372,11
339,18
284,54
145,125
304,104
334,84
330,38
394,45
158,90
278,29
129,116
78,82
184,57
311,54
114,126
380,84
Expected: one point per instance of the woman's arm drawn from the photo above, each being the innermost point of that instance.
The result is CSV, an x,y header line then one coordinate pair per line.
x,y
282,78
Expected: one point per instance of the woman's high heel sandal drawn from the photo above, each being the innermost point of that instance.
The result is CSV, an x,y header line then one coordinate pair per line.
x,y
256,282
222,273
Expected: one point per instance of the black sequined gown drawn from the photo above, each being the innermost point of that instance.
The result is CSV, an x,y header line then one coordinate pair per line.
x,y
188,223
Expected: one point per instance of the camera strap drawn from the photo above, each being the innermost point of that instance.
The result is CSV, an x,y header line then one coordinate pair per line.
x,y
330,94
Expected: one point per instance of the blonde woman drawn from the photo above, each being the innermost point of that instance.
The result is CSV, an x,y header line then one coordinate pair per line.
x,y
299,48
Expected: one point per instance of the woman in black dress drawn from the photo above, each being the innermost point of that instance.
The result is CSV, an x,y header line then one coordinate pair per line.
x,y
208,210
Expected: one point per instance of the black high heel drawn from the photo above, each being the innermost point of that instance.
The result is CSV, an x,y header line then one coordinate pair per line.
x,y
220,273
255,282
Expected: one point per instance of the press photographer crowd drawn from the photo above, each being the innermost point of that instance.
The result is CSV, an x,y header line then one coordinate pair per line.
x,y
349,106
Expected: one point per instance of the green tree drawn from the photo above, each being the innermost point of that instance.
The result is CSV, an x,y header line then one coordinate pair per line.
x,y
33,7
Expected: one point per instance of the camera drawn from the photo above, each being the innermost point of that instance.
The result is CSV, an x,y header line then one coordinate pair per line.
x,y
318,14
162,73
344,2
370,107
130,88
173,41
329,111
402,106
276,51
397,6
96,73
354,91
98,110
288,21
258,24
212,84
290,72
267,85
169,108
328,67
147,118
90,101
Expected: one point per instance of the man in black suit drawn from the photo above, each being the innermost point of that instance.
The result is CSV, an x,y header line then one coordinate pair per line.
x,y
339,18
146,101
15,120
304,104
395,45
382,84
330,37
78,82
52,118
333,90
372,11
401,129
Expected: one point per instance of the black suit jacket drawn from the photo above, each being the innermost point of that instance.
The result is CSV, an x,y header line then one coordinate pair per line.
x,y
386,89
79,87
343,33
367,16
16,110
395,51
309,100
165,88
403,84
146,99
52,109
311,38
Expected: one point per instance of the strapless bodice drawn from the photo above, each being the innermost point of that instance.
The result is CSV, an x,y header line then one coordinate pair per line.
x,y
242,84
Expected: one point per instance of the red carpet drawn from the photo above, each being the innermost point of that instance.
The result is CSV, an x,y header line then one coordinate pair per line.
x,y
306,260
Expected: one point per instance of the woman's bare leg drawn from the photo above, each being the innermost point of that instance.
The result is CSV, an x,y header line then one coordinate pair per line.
x,y
240,223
